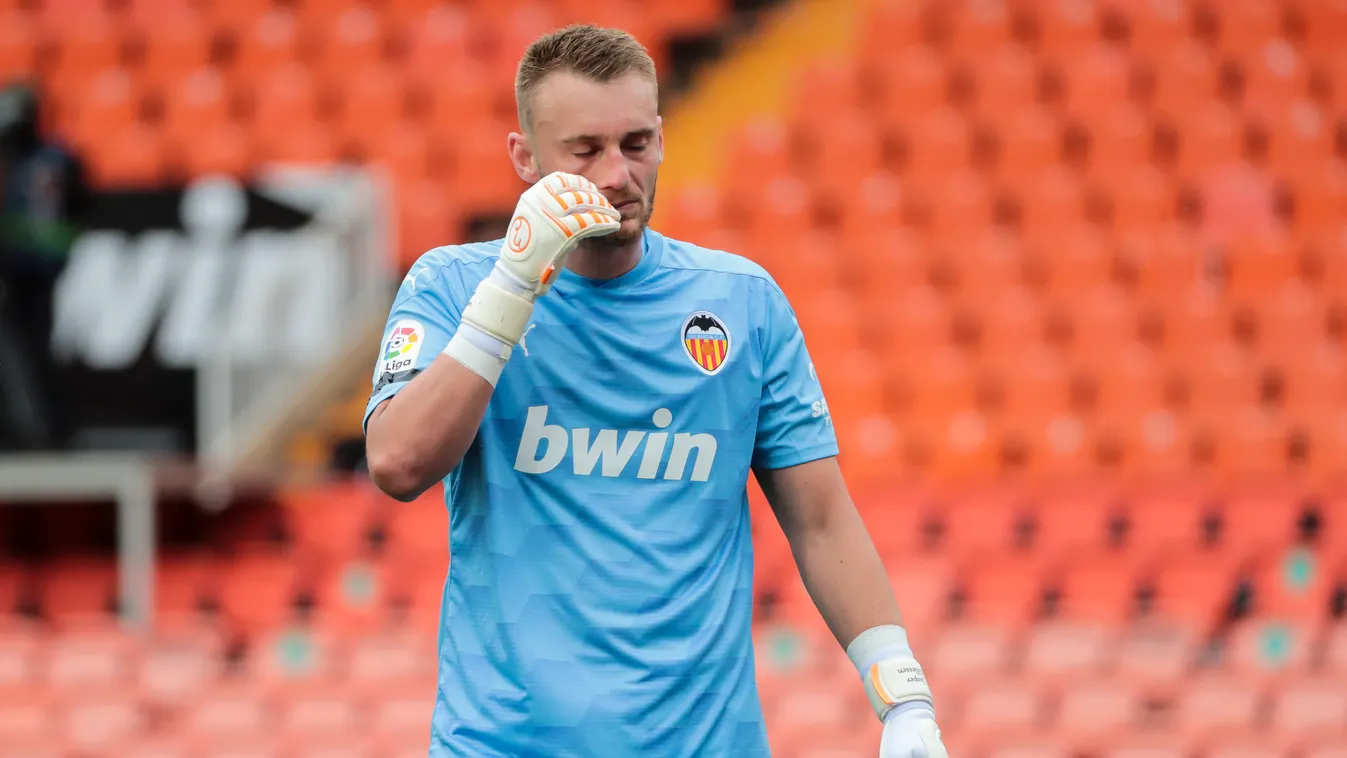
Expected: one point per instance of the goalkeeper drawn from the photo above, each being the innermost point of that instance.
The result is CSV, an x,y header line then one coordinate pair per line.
x,y
593,396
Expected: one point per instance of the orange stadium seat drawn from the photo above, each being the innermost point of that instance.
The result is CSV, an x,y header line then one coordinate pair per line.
x,y
937,143
1099,588
1121,137
890,27
957,204
1156,653
372,103
1312,708
93,722
1066,28
1274,77
1266,651
1073,521
1213,704
199,101
355,38
18,45
172,45
258,588
999,709
438,39
962,655
978,27
1298,137
1048,200
1002,591
91,660
1005,80
1092,713
28,723
1246,25
223,148
285,97
1319,195
232,17
1028,143
1210,138
1158,25
909,83
268,43
1095,80
1194,591
78,588
1181,78
1058,652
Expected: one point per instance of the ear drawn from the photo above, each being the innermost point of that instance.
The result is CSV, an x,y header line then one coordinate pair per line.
x,y
521,155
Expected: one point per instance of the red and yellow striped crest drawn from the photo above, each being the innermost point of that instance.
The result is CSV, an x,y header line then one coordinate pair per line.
x,y
707,341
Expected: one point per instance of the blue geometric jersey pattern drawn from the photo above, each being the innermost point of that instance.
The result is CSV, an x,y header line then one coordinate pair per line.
x,y
599,599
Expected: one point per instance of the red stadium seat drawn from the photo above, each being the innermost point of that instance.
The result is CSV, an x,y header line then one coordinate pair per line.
x,y
1182,78
1098,589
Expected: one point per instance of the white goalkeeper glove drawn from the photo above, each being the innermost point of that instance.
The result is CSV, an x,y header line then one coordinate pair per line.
x,y
552,217
897,689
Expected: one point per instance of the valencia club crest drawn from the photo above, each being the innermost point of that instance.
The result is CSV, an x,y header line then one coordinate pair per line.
x,y
706,340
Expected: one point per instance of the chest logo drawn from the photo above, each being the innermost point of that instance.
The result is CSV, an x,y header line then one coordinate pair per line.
x,y
706,340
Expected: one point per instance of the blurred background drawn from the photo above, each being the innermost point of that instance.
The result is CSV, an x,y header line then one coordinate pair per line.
x,y
1073,273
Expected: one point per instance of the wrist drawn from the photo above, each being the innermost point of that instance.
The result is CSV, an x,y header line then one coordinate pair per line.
x,y
891,675
481,353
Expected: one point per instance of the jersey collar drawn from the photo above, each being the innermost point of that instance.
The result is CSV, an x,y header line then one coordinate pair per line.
x,y
652,249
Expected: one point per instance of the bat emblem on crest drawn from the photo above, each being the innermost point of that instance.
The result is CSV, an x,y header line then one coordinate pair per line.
x,y
706,340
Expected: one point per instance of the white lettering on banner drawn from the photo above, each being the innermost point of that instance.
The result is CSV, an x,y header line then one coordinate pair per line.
x,y
612,450
266,295
110,296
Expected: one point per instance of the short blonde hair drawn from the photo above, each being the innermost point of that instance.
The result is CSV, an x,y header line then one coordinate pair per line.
x,y
590,51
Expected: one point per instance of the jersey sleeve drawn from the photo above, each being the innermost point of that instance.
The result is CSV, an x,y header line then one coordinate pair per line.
x,y
424,316
793,422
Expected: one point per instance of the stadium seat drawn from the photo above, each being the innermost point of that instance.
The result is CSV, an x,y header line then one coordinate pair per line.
x,y
1274,77
18,45
1002,591
1245,25
1091,713
1193,590
1269,650
1182,78
1312,708
1005,80
1098,588
1095,79
1065,29
269,43
90,661
1156,653
1214,704
173,44
1058,652
93,722
999,708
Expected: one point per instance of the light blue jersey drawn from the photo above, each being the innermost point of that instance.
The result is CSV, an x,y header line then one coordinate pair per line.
x,y
599,599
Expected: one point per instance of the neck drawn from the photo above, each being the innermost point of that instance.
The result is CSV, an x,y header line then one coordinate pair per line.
x,y
604,262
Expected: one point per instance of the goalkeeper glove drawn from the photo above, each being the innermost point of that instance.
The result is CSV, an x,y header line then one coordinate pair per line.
x,y
552,217
897,689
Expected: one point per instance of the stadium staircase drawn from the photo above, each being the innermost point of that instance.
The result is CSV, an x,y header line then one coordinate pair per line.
x,y
1075,280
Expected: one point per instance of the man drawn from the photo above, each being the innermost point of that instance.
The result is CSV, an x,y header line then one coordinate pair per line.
x,y
42,199
594,396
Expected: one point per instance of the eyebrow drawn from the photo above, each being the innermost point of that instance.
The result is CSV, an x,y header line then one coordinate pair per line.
x,y
589,138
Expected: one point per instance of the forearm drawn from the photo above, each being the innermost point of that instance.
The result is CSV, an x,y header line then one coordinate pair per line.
x,y
843,574
419,435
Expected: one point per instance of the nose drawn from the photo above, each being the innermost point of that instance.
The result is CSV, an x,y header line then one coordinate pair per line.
x,y
611,173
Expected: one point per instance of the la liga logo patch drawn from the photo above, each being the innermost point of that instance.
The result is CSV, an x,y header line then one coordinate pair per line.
x,y
403,346
706,340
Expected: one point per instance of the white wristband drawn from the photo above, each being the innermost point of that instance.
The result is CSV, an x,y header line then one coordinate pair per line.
x,y
482,353
891,674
